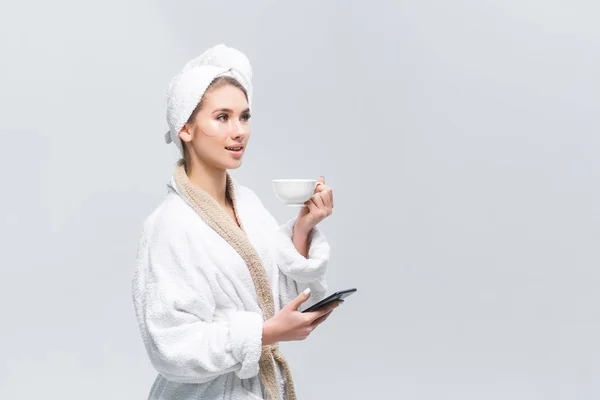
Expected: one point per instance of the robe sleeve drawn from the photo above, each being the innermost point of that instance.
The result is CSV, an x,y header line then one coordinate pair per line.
x,y
295,265
175,309
303,272
298,272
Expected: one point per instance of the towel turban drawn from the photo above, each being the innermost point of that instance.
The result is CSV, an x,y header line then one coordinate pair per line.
x,y
187,87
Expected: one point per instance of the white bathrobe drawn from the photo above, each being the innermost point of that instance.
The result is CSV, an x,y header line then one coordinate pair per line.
x,y
195,301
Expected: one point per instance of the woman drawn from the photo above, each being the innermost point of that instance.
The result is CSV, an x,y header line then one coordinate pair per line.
x,y
218,283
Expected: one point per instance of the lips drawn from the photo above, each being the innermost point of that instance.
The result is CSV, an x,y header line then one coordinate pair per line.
x,y
235,148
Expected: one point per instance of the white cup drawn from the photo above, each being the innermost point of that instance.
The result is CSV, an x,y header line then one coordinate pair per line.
x,y
294,192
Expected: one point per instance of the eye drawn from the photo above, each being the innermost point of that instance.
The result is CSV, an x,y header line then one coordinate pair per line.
x,y
246,117
222,117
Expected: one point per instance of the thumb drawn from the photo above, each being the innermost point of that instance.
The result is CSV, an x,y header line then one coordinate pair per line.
x,y
302,297
320,181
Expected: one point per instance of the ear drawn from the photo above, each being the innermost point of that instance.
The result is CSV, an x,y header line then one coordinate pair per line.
x,y
185,134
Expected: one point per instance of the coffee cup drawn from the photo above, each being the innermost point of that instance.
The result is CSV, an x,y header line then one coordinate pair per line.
x,y
294,192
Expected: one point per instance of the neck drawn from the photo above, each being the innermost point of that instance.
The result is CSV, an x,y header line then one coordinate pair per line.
x,y
211,180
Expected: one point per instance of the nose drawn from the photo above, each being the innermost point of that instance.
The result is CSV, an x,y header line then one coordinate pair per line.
x,y
240,129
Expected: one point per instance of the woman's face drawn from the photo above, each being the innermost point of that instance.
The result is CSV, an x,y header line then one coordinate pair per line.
x,y
219,133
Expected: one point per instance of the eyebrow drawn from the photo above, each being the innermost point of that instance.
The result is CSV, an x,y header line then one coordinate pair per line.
x,y
228,110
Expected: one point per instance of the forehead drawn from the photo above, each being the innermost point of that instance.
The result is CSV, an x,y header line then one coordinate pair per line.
x,y
227,96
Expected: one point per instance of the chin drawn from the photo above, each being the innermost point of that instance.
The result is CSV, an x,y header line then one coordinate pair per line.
x,y
233,165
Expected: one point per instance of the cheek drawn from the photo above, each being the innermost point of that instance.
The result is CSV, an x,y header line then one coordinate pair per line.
x,y
214,128
209,147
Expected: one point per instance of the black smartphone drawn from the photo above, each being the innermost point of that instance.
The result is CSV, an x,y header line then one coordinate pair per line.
x,y
330,299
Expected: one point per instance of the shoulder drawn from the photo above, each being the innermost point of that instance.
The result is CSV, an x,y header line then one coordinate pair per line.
x,y
253,207
170,219
247,195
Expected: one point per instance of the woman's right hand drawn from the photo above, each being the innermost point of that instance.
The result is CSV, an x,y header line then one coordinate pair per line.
x,y
290,324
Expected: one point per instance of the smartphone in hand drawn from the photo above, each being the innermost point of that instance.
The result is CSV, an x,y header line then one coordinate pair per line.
x,y
330,299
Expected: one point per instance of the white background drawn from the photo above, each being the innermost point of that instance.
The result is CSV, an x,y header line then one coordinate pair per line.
x,y
461,139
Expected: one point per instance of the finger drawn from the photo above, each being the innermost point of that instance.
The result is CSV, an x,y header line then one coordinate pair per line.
x,y
318,188
326,197
326,315
324,210
320,182
321,188
312,207
325,189
327,207
313,319
301,298
319,320
318,201
313,315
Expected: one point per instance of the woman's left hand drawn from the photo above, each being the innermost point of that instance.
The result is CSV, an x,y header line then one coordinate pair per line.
x,y
315,209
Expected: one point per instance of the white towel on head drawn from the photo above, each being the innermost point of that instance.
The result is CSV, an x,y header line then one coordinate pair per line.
x,y
187,87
